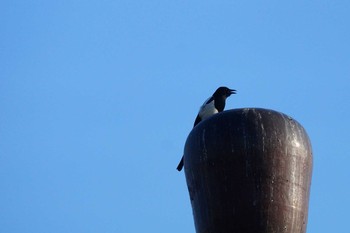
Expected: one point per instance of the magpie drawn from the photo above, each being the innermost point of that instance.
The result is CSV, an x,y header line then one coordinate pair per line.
x,y
214,104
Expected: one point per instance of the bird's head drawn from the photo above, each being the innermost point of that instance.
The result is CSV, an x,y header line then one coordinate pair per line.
x,y
224,91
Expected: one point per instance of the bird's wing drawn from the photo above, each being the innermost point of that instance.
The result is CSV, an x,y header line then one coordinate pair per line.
x,y
198,119
211,98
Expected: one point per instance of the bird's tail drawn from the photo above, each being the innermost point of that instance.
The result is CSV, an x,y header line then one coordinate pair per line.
x,y
181,164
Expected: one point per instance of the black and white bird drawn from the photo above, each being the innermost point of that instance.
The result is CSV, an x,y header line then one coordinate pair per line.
x,y
214,104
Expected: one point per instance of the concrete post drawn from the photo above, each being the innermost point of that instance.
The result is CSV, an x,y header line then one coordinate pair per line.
x,y
249,171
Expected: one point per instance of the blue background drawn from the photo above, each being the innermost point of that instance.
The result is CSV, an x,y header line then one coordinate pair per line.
x,y
97,99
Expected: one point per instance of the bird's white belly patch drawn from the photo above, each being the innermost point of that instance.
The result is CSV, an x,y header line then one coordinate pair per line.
x,y
207,110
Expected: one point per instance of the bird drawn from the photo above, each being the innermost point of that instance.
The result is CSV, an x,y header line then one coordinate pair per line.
x,y
214,104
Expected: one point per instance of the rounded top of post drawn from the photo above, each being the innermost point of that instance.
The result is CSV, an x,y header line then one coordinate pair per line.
x,y
251,123
249,114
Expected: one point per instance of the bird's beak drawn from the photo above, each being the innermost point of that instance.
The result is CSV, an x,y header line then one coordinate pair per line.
x,y
233,91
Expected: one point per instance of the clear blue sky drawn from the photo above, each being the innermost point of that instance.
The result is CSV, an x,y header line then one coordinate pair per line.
x,y
97,99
